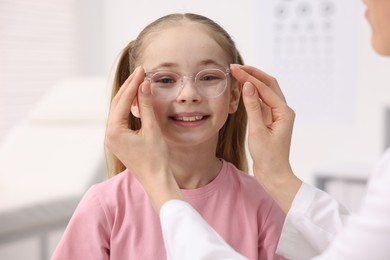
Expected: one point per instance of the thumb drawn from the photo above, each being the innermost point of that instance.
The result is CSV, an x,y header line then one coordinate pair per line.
x,y
145,104
253,107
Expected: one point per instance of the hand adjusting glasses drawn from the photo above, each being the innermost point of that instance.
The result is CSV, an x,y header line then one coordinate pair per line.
x,y
209,83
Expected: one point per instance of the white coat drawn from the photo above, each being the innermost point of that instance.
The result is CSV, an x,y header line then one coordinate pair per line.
x,y
316,227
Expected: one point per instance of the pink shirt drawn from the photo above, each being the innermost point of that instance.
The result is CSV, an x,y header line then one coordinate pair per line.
x,y
115,219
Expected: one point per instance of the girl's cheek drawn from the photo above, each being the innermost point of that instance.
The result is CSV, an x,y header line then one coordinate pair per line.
x,y
159,109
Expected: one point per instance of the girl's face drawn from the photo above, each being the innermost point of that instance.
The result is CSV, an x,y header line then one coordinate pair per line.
x,y
378,15
189,118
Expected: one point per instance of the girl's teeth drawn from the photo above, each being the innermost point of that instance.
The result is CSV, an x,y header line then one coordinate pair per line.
x,y
189,118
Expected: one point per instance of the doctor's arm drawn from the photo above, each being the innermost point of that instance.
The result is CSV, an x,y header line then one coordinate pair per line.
x,y
313,218
141,151
270,125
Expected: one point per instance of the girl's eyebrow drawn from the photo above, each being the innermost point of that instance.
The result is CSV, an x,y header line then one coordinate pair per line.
x,y
165,65
210,62
169,65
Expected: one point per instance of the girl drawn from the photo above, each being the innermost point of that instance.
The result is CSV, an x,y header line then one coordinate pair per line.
x,y
314,224
176,109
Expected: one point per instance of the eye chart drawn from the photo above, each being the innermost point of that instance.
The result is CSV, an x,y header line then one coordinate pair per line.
x,y
311,48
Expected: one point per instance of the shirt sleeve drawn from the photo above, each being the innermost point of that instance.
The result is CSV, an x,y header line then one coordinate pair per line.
x,y
188,236
269,235
312,223
87,234
367,233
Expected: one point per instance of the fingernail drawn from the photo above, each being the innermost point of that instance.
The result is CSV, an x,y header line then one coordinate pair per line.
x,y
249,89
235,65
145,88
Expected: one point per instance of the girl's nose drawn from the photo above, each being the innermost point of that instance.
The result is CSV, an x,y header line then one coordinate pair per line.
x,y
188,91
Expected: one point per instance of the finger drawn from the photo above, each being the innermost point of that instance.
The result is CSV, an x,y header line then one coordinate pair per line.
x,y
254,72
124,86
125,100
267,95
266,113
267,79
253,107
145,104
254,75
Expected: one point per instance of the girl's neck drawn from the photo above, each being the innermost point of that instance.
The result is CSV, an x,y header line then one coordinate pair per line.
x,y
194,167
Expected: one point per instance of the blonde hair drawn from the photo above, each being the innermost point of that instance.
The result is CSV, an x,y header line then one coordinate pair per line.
x,y
231,140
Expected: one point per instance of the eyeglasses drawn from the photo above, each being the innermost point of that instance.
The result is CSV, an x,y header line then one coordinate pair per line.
x,y
209,83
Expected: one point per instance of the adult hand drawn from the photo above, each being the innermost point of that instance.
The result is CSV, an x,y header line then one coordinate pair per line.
x,y
143,152
270,124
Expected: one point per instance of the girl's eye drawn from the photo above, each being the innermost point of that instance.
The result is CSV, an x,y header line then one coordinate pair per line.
x,y
209,78
165,80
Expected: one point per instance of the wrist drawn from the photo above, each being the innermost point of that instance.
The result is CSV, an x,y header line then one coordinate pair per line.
x,y
282,185
162,188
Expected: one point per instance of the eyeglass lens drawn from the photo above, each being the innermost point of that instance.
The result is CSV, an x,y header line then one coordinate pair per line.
x,y
208,83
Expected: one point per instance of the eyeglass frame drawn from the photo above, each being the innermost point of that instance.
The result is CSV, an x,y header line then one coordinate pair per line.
x,y
225,70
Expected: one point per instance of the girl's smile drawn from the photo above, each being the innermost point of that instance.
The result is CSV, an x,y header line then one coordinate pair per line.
x,y
189,119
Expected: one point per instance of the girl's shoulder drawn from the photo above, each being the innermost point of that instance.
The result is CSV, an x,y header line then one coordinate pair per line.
x,y
246,184
242,177
112,184
254,197
115,181
116,191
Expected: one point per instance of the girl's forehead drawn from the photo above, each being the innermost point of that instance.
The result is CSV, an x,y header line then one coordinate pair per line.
x,y
185,45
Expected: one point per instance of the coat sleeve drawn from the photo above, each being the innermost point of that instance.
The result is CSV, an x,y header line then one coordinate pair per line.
x,y
87,235
187,235
312,223
367,233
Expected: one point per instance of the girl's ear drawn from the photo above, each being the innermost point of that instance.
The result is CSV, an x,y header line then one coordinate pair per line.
x,y
235,94
135,108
